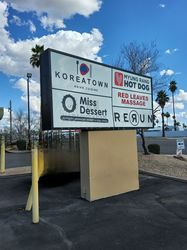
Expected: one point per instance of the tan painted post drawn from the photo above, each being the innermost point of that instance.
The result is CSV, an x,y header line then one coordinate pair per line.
x,y
35,196
29,201
2,155
40,173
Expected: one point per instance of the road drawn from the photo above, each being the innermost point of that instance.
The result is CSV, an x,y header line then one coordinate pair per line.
x,y
17,160
167,146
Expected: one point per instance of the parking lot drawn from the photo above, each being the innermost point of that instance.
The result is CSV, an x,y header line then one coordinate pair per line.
x,y
152,218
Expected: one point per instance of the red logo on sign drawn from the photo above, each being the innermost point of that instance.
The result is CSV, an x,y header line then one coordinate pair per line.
x,y
118,79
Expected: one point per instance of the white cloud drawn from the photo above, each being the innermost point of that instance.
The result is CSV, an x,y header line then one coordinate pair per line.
x,y
34,87
168,51
4,35
171,51
56,10
167,72
34,102
17,21
32,27
178,105
161,5
175,50
14,55
182,96
183,115
3,15
34,93
5,120
51,23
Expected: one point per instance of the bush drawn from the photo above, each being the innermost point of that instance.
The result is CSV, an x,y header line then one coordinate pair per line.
x,y
21,144
154,148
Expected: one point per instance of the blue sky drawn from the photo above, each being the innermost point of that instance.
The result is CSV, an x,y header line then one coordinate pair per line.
x,y
94,29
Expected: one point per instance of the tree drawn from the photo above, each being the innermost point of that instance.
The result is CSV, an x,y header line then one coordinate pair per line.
x,y
162,98
20,125
35,58
140,59
20,128
184,125
173,88
177,124
167,115
157,121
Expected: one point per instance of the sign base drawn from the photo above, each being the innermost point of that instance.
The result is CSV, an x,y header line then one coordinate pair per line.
x,y
109,163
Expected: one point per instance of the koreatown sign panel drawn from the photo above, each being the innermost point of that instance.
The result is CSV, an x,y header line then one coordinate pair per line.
x,y
79,93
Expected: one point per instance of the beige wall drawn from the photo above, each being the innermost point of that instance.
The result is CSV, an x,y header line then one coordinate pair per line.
x,y
109,164
59,161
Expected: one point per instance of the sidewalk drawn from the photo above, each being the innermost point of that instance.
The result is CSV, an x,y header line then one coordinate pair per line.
x,y
152,218
17,171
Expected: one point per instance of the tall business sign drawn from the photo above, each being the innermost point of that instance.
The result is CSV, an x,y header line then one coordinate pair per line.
x,y
79,93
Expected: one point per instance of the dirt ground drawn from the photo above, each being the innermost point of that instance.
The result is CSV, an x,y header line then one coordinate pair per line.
x,y
165,165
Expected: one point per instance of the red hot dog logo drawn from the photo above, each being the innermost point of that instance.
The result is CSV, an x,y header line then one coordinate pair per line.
x,y
118,78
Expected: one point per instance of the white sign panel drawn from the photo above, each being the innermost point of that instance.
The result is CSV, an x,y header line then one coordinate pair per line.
x,y
79,93
180,144
71,74
81,109
130,81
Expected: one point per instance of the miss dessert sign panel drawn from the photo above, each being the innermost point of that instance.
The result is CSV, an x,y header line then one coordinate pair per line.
x,y
79,93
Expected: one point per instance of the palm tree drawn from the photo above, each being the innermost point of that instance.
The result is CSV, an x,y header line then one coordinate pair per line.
x,y
173,88
161,99
167,115
178,124
35,58
35,62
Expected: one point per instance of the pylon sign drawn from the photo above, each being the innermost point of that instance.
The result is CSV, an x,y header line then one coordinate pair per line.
x,y
1,112
80,93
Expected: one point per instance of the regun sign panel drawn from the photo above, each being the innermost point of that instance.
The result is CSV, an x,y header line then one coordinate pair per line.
x,y
80,93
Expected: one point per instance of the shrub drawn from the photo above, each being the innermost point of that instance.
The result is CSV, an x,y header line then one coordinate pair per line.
x,y
21,144
154,148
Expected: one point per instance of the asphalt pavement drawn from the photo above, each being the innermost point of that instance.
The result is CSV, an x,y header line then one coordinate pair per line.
x,y
152,218
21,159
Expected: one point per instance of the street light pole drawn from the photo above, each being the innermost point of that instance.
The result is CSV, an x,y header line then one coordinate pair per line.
x,y
29,75
10,110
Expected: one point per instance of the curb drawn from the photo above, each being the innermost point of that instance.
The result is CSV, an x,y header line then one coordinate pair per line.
x,y
16,171
162,176
17,152
14,175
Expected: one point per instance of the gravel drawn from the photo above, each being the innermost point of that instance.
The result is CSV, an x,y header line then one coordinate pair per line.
x,y
166,165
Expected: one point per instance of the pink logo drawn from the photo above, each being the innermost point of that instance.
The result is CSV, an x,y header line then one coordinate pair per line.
x,y
118,79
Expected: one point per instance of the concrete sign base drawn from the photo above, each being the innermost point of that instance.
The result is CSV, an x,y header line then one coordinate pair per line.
x,y
109,163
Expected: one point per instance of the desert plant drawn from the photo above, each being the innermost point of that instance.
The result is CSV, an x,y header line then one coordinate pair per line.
x,y
154,148
21,144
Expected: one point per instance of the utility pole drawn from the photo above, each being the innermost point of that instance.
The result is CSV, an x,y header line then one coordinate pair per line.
x,y
10,110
